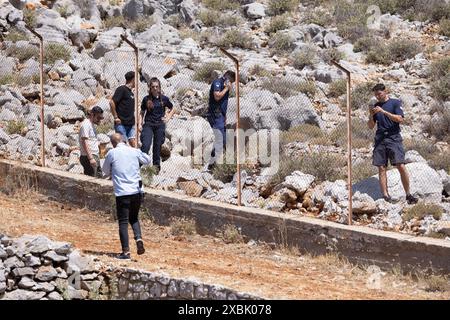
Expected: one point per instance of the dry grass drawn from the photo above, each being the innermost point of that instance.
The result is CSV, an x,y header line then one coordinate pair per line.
x,y
181,226
421,210
19,183
304,133
205,72
231,234
16,127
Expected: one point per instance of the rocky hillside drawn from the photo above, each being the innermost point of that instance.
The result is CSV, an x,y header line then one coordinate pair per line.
x,y
289,89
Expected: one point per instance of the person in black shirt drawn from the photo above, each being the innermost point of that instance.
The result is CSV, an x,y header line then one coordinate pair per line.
x,y
217,113
154,119
387,115
122,108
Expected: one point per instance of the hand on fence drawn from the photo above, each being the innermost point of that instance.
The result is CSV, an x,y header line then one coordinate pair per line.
x,y
117,121
93,163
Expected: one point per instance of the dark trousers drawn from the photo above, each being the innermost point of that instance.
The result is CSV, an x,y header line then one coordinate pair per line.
x,y
153,134
89,170
127,212
218,126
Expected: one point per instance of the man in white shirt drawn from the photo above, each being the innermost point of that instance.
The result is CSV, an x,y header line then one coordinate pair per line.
x,y
123,164
89,150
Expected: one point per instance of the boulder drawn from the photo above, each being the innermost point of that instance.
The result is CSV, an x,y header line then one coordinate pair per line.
x,y
425,183
255,10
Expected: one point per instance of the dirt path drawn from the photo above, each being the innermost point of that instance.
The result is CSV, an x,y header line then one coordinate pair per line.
x,y
255,269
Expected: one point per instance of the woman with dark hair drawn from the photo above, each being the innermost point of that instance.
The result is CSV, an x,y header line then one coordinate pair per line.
x,y
153,118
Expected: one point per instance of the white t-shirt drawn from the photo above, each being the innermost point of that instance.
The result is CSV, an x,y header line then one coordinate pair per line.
x,y
87,130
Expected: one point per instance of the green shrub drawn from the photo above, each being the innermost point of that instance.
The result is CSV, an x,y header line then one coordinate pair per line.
x,y
444,27
15,35
281,44
318,16
316,164
395,51
29,16
360,96
439,68
367,43
278,23
63,11
115,21
351,20
439,73
332,54
15,126
205,72
308,87
212,18
304,58
283,87
439,161
23,54
221,5
141,24
337,88
424,147
182,226
402,49
363,170
304,133
56,51
362,136
379,55
236,39
439,125
224,172
6,79
421,210
259,71
277,7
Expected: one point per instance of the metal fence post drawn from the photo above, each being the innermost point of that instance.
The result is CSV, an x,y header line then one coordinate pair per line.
x,y
349,142
41,76
136,85
238,111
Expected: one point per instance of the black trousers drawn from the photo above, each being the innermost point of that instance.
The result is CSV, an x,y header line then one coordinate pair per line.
x,y
153,135
90,170
128,212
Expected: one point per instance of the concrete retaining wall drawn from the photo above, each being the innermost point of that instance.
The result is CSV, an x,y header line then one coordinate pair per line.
x,y
358,244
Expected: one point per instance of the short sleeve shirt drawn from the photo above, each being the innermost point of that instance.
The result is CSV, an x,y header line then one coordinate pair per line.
x,y
87,130
124,100
218,108
155,115
384,124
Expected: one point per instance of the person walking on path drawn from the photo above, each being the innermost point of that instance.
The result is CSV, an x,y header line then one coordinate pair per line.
x,y
123,163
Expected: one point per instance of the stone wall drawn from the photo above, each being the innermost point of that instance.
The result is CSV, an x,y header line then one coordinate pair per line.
x,y
359,244
138,285
35,268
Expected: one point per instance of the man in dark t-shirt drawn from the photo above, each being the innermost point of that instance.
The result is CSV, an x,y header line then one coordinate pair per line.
x,y
122,108
154,119
387,114
217,113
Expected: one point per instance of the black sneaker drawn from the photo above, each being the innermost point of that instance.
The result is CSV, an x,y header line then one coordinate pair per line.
x,y
124,256
140,247
388,199
411,199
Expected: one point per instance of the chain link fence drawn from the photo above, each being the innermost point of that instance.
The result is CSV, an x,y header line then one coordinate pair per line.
x,y
292,138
